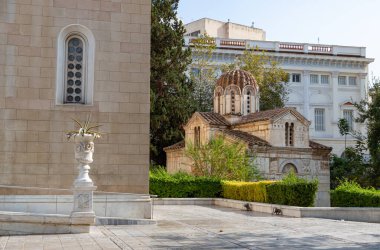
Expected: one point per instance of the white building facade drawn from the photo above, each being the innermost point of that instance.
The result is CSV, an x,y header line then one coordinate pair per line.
x,y
324,80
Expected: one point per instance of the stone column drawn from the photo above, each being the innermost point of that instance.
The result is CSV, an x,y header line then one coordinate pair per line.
x,y
306,91
335,99
83,185
363,86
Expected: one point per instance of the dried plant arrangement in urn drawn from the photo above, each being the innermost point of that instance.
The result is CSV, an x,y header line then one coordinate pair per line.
x,y
84,148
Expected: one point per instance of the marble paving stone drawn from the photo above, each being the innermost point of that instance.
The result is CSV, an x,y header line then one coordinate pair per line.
x,y
212,227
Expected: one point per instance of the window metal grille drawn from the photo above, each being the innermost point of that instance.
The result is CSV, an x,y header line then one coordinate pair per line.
x,y
342,80
349,116
325,79
314,79
352,80
74,87
319,119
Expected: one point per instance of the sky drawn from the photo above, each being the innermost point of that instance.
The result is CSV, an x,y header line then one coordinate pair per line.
x,y
334,22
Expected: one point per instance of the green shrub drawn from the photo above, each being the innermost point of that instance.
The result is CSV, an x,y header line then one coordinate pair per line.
x,y
293,191
182,185
222,159
351,194
247,191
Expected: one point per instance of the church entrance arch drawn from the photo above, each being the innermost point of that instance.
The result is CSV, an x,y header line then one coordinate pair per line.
x,y
288,168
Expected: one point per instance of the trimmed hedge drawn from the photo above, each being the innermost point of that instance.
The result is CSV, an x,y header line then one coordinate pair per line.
x,y
247,191
292,194
183,186
350,194
292,191
301,193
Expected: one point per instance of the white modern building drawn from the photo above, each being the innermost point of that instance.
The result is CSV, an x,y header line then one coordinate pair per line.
x,y
325,80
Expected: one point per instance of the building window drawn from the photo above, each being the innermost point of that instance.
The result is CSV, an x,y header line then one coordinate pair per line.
x,y
341,80
325,79
352,80
75,65
314,79
296,77
218,103
349,116
74,70
289,134
248,102
197,136
319,119
232,101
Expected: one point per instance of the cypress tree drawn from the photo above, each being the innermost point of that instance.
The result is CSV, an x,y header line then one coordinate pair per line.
x,y
171,90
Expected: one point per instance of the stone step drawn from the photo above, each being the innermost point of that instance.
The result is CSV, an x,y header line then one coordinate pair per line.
x,y
123,221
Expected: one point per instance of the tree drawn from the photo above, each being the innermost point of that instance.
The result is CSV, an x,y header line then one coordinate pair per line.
x,y
344,129
271,79
369,112
170,89
351,167
203,74
227,161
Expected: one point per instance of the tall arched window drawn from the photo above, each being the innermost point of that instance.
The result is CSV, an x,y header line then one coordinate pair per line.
x,y
75,65
74,89
289,134
232,101
286,134
248,102
218,103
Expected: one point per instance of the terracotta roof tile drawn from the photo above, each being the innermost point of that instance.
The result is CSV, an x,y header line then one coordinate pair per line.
x,y
214,118
267,115
316,145
237,77
244,136
178,145
262,115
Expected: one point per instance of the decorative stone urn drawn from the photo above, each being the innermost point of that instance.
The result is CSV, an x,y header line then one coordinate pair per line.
x,y
84,149
83,185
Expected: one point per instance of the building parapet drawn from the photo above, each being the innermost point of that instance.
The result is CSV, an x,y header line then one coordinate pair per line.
x,y
288,47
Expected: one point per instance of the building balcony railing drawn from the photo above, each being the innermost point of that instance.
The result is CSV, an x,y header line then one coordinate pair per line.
x,y
274,46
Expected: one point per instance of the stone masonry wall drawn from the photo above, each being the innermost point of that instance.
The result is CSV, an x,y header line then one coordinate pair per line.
x,y
33,147
310,163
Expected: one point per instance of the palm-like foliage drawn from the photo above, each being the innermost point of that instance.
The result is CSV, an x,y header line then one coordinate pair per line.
x,y
84,128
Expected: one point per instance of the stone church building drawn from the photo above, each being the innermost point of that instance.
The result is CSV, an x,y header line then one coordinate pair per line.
x,y
64,59
278,138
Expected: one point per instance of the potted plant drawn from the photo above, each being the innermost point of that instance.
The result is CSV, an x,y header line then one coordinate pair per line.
x,y
84,148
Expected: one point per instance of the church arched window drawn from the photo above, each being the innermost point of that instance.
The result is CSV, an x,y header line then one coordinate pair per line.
x,y
197,136
75,65
289,134
248,102
286,134
232,101
218,103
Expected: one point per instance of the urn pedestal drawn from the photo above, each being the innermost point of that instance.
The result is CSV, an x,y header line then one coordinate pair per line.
x,y
83,186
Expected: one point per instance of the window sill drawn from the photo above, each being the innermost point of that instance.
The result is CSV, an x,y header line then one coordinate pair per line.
x,y
74,104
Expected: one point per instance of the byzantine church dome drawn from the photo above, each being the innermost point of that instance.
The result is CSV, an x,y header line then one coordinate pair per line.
x,y
238,77
236,93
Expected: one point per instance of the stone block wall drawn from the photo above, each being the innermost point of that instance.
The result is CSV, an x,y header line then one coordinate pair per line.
x,y
33,147
310,163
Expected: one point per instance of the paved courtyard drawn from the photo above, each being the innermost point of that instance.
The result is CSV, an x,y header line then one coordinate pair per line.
x,y
202,227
